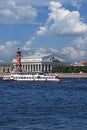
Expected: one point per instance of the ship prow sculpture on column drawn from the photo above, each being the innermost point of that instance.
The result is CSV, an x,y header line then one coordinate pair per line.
x,y
19,75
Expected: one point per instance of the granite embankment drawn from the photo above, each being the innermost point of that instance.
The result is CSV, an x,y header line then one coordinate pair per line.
x,y
72,75
65,75
3,74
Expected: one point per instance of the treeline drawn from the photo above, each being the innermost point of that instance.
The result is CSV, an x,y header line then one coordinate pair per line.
x,y
69,69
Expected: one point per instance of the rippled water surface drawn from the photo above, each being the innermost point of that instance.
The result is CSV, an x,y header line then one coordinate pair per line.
x,y
43,105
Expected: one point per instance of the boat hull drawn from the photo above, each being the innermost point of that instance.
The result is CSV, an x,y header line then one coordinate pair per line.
x,y
31,78
59,80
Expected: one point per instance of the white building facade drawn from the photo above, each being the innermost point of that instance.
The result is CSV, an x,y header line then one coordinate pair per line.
x,y
39,62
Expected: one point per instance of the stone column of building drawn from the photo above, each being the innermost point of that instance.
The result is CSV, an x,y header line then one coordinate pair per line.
x,y
38,68
22,66
51,67
41,68
44,68
27,67
47,68
30,68
35,67
15,66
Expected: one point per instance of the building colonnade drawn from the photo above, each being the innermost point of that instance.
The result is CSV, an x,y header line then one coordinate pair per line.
x,y
37,67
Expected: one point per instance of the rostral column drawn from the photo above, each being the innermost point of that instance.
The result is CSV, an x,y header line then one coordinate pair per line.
x,y
18,59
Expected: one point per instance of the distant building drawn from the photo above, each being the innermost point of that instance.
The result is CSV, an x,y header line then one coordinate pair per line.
x,y
5,67
82,63
40,62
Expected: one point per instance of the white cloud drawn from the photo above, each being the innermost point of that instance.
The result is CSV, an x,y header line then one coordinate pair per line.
x,y
53,50
41,50
78,50
28,7
27,45
62,21
70,52
8,49
80,43
44,2
12,13
76,4
7,3
41,31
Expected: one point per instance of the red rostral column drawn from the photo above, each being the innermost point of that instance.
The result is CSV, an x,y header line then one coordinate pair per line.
x,y
19,59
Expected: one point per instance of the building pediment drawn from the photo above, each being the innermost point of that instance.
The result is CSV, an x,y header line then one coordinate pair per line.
x,y
52,58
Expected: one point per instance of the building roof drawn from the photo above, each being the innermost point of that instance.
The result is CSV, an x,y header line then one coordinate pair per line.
x,y
40,57
37,55
44,57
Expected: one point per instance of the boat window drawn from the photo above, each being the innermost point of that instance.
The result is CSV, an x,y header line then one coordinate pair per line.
x,y
56,77
38,77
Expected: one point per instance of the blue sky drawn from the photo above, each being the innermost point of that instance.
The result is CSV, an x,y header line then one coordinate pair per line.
x,y
44,26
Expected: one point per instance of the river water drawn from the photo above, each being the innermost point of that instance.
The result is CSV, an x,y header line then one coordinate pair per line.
x,y
43,105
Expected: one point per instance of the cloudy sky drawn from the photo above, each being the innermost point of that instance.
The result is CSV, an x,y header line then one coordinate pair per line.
x,y
44,26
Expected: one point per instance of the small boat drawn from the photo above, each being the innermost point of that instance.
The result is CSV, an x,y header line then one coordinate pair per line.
x,y
30,77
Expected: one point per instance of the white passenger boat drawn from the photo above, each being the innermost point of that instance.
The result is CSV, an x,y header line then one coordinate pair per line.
x,y
30,77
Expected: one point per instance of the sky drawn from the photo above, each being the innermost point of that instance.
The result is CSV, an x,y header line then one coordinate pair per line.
x,y
44,26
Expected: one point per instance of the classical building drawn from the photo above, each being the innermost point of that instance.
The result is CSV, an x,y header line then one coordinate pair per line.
x,y
39,62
